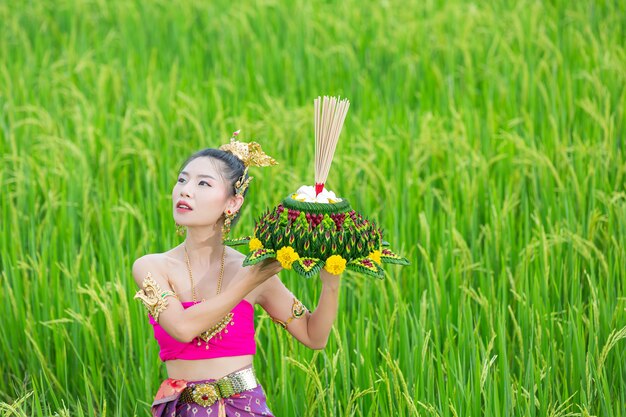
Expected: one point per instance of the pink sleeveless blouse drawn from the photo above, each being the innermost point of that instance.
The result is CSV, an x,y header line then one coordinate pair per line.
x,y
238,341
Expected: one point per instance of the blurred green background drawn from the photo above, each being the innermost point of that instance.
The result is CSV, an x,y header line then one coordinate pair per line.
x,y
486,138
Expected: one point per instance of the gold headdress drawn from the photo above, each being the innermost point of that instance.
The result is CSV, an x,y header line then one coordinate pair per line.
x,y
250,154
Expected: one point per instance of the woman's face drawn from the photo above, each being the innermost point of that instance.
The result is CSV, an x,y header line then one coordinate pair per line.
x,y
201,194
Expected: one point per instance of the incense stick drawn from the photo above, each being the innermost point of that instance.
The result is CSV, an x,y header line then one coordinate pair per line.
x,y
330,114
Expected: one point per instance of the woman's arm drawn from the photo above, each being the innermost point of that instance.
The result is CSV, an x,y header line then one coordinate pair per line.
x,y
311,329
185,324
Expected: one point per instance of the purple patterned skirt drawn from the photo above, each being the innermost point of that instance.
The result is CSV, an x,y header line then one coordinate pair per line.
x,y
244,404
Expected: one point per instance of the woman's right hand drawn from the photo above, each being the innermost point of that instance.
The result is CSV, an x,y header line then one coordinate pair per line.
x,y
264,270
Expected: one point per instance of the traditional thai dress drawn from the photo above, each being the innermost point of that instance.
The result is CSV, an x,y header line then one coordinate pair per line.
x,y
211,397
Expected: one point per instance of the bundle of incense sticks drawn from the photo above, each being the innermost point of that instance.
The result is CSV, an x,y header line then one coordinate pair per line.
x,y
330,114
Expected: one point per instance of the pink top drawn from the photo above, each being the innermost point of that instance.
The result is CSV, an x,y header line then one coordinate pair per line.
x,y
239,340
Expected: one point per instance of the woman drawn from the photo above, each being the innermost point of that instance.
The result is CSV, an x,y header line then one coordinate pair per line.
x,y
201,299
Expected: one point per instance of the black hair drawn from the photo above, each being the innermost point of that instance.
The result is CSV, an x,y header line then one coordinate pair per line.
x,y
234,169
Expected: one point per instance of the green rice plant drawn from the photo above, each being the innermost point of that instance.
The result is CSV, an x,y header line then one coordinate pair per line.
x,y
485,138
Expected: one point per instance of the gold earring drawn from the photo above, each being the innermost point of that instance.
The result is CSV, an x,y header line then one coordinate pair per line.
x,y
228,218
180,230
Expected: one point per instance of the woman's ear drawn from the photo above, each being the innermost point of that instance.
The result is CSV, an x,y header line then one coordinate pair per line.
x,y
235,203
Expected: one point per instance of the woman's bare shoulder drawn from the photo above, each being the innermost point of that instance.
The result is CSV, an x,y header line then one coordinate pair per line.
x,y
234,256
155,264
234,262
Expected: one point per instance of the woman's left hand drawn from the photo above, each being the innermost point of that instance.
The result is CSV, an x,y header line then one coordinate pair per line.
x,y
329,279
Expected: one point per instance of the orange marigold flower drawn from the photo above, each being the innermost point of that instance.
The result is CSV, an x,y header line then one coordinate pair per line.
x,y
255,244
286,256
375,256
335,264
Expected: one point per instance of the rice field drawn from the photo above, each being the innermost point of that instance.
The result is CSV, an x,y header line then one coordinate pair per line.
x,y
486,138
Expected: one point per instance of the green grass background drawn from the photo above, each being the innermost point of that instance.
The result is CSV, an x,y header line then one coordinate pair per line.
x,y
486,138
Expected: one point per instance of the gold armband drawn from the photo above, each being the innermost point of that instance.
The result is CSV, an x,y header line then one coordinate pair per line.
x,y
297,311
153,297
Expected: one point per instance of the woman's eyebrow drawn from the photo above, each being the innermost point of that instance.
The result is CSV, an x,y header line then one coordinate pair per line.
x,y
199,175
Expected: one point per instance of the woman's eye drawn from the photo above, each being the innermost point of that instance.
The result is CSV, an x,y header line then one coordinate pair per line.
x,y
204,182
181,179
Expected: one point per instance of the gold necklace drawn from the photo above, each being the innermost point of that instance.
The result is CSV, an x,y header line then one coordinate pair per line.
x,y
219,281
221,325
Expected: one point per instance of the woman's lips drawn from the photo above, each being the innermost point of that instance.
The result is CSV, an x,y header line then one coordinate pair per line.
x,y
183,207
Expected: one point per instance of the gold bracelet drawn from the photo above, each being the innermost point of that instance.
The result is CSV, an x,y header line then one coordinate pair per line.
x,y
297,311
154,299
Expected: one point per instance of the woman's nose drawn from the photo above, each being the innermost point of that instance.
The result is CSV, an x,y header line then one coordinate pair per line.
x,y
184,192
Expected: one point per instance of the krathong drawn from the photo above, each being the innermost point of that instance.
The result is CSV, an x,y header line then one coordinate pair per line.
x,y
313,228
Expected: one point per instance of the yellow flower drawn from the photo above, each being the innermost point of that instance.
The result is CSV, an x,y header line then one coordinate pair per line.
x,y
375,256
335,264
286,256
255,244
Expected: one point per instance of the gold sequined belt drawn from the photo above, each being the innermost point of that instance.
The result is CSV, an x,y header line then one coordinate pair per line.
x,y
208,393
